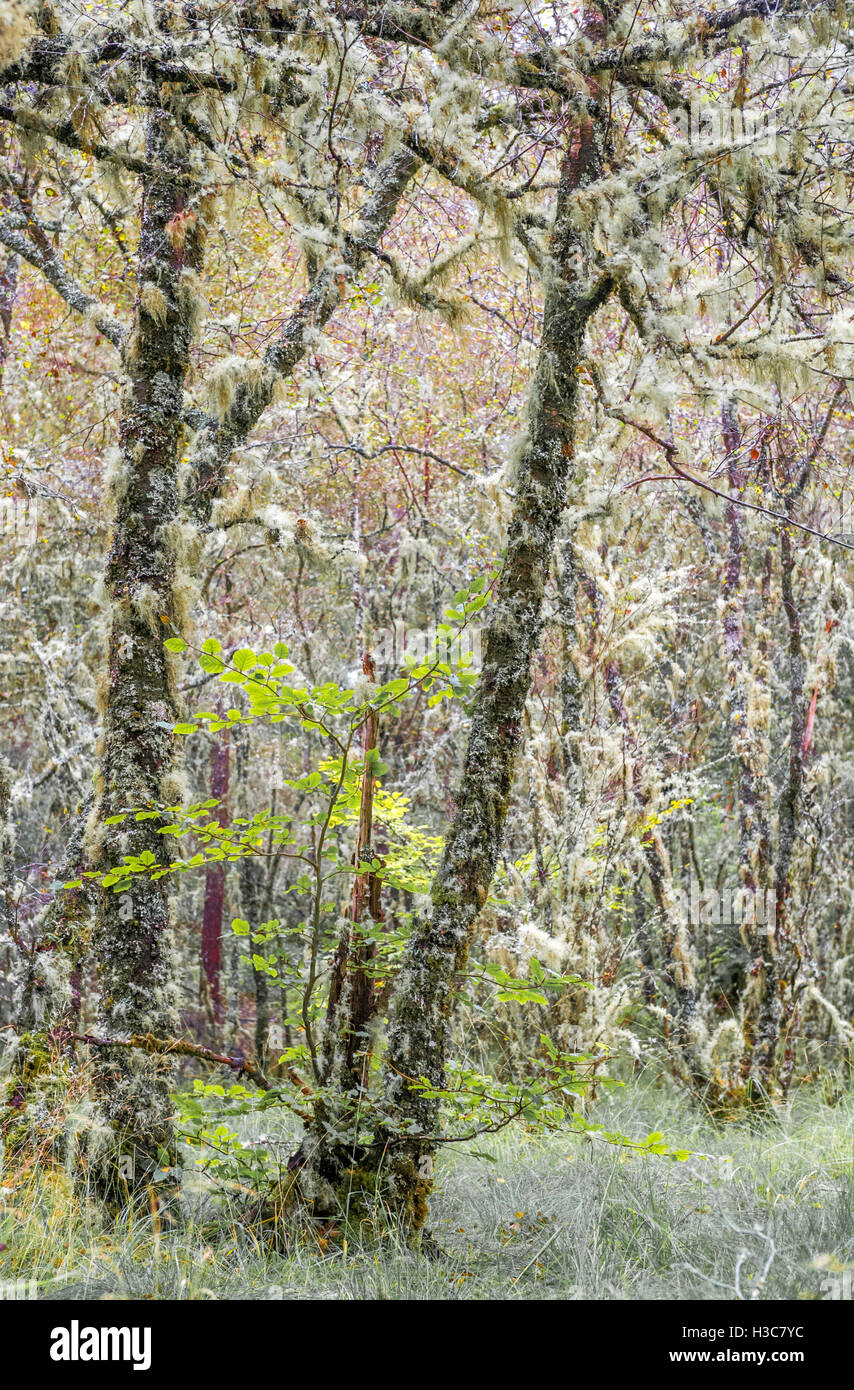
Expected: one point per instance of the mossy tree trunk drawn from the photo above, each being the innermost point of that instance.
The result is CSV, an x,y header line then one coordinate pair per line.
x,y
438,949
214,901
677,949
8,290
7,858
328,1151
346,1047
139,706
750,767
780,1030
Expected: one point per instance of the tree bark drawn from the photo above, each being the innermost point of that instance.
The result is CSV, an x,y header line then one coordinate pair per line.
x,y
131,942
328,1148
214,902
351,989
438,949
8,290
677,950
753,845
785,1004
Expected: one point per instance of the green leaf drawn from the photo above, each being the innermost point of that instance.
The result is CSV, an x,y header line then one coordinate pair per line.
x,y
396,688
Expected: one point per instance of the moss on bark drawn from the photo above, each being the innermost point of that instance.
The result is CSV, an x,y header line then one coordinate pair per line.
x,y
132,938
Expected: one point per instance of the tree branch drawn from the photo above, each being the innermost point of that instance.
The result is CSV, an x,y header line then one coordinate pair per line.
x,y
45,260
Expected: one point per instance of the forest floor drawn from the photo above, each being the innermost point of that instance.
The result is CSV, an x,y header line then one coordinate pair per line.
x,y
766,1212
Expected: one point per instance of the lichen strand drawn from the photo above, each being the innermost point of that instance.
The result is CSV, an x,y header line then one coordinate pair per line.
x,y
439,946
132,935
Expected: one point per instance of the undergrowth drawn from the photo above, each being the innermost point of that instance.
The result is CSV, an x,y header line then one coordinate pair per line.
x,y
763,1210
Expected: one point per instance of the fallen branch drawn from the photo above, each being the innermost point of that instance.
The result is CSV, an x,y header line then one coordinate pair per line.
x,y
181,1047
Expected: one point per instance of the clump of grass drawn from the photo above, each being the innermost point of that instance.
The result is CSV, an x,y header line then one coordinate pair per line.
x,y
763,1210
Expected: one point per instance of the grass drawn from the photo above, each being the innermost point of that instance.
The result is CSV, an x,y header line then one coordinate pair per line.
x,y
768,1213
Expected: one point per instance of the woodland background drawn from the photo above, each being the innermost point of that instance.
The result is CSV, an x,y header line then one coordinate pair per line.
x,y
338,345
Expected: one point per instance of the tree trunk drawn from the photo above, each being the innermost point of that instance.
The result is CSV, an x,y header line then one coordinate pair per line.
x,y
328,1148
8,290
351,990
753,847
252,895
784,1006
215,892
676,945
438,949
139,703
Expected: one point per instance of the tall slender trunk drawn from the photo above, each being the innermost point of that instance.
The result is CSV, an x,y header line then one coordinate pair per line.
x,y
7,885
9,269
571,697
677,947
753,845
256,879
262,1011
438,949
250,874
139,704
8,290
787,994
214,901
574,1009
351,989
328,1149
